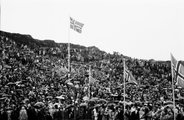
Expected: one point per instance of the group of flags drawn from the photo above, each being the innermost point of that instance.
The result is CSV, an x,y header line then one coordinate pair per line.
x,y
177,66
77,26
177,69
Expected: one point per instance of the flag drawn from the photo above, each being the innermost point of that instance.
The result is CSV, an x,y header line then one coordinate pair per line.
x,y
129,77
75,25
92,80
177,72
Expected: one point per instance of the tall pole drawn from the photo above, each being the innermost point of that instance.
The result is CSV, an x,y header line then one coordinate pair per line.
x,y
75,91
124,86
69,48
173,90
89,91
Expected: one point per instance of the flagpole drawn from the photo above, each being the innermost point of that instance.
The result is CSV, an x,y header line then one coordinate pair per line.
x,y
89,82
173,89
69,47
124,86
75,97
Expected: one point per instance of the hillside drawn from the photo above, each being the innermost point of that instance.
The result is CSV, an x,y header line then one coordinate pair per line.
x,y
43,63
32,43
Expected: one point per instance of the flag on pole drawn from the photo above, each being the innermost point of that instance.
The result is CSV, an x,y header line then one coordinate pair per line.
x,y
75,25
129,77
92,80
177,72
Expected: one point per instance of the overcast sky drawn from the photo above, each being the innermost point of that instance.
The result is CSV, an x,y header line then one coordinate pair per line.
x,y
145,29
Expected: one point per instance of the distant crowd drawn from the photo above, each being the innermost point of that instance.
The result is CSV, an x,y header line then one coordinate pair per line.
x,y
34,85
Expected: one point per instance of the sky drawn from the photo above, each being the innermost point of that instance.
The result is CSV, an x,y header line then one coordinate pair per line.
x,y
143,29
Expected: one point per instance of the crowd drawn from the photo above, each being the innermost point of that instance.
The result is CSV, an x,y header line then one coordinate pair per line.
x,y
34,85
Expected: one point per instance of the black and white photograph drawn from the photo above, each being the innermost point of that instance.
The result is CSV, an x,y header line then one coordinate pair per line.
x,y
91,59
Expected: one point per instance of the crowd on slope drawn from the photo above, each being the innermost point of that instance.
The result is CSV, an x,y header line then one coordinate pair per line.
x,y
32,79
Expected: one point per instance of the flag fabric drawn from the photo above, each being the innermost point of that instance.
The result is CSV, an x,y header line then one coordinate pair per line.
x,y
92,80
177,72
75,25
129,77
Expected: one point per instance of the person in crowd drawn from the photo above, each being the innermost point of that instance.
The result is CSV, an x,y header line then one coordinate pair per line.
x,y
95,113
48,116
134,115
3,115
120,114
167,114
15,113
32,115
23,114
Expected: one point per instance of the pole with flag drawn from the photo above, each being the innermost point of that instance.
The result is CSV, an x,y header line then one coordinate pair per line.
x,y
177,71
172,60
76,26
127,77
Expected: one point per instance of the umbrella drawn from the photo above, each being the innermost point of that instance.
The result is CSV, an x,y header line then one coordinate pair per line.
x,y
97,105
3,98
18,82
39,105
111,104
85,98
5,95
57,104
168,102
21,85
11,83
138,102
71,84
60,97
102,100
127,103
171,106
93,99
25,100
49,97
24,81
8,108
69,106
7,66
116,101
114,95
76,82
83,104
